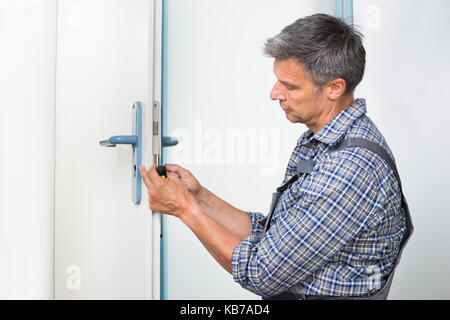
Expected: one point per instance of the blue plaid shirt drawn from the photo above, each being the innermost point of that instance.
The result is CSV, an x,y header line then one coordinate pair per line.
x,y
335,231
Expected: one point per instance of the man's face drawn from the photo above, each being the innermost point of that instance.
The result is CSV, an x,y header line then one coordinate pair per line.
x,y
298,96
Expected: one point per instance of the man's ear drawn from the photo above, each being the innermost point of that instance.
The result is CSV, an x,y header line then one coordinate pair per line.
x,y
336,88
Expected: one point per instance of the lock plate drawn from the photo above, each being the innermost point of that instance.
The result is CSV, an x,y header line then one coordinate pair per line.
x,y
137,153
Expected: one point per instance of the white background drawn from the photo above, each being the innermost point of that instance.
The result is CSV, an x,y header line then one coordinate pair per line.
x,y
218,84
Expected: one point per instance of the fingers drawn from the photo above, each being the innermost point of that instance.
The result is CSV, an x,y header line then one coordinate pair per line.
x,y
172,167
146,178
153,175
177,169
173,176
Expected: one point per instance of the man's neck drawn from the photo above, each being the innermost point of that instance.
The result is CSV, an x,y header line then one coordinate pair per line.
x,y
337,107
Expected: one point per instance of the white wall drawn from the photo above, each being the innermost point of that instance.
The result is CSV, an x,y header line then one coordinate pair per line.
x,y
234,139
27,95
407,96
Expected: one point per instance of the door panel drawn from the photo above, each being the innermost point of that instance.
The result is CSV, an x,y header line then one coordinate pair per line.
x,y
104,64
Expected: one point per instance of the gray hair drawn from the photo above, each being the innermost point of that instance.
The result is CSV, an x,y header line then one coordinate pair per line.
x,y
326,46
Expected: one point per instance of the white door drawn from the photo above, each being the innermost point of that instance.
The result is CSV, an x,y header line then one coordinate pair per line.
x,y
103,241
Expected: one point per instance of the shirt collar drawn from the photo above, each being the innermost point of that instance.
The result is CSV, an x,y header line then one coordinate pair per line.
x,y
336,128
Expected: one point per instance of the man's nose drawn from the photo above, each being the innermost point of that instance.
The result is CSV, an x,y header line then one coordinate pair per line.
x,y
276,93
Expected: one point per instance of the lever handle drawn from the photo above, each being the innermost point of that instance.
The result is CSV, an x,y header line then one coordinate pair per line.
x,y
115,140
168,141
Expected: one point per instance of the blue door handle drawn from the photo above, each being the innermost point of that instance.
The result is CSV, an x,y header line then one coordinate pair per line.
x,y
115,140
135,141
168,141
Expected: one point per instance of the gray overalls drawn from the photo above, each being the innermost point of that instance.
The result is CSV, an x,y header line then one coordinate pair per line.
x,y
306,167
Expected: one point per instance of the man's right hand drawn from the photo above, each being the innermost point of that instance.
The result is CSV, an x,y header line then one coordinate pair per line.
x,y
185,177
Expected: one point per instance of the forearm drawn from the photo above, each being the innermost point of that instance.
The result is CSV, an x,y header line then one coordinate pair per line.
x,y
230,218
219,242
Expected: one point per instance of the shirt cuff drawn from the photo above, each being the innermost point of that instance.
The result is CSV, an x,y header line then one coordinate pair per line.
x,y
240,260
243,251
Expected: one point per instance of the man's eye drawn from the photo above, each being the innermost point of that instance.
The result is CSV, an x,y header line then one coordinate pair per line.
x,y
288,86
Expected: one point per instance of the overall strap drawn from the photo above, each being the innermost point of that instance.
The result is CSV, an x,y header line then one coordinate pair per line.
x,y
306,166
379,150
275,197
372,146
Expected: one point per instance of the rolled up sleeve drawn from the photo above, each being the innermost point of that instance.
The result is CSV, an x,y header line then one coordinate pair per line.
x,y
257,228
243,251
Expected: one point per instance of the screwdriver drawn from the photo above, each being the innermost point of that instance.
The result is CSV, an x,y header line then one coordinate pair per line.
x,y
162,171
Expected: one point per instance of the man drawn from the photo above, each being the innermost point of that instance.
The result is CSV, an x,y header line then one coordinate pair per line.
x,y
335,230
